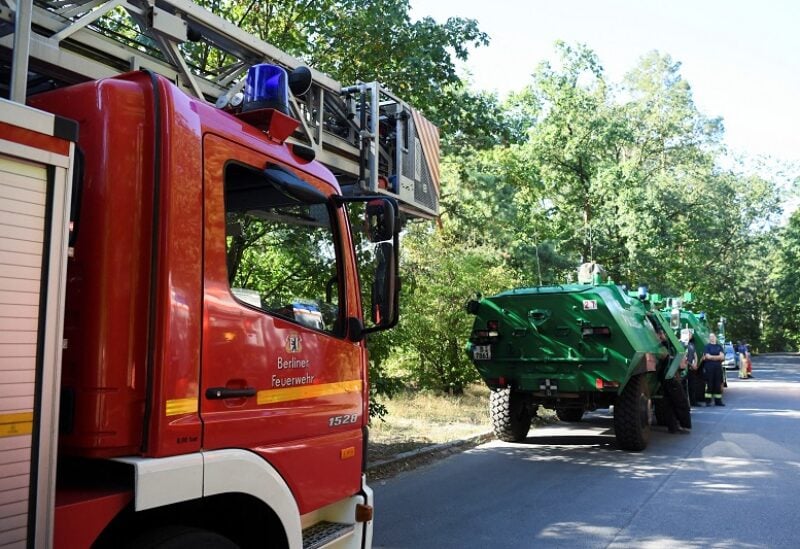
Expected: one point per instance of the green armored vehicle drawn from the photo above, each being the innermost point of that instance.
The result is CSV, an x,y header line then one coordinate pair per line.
x,y
572,348
684,322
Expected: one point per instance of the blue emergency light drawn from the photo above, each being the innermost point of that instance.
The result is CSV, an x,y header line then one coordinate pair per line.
x,y
266,87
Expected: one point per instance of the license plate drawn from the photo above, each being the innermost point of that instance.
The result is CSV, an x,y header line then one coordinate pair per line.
x,y
482,352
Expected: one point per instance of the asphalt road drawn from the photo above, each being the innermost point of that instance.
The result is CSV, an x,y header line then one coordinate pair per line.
x,y
733,482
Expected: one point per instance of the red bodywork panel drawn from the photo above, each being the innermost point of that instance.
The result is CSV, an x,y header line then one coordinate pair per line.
x,y
149,332
106,317
81,515
34,139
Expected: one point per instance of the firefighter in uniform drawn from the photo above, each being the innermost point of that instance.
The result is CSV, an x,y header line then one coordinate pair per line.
x,y
713,355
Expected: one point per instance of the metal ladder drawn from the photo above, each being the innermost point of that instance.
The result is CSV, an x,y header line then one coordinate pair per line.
x,y
372,140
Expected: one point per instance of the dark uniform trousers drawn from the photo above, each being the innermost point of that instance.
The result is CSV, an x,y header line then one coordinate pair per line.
x,y
713,373
697,386
677,410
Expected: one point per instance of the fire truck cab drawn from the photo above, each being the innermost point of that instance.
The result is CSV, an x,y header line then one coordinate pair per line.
x,y
214,371
191,258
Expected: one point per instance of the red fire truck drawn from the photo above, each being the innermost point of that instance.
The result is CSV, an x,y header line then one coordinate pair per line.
x,y
207,268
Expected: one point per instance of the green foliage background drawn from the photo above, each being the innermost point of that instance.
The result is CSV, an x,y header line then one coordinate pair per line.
x,y
572,167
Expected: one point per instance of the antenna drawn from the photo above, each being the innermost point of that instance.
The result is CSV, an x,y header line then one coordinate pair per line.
x,y
538,262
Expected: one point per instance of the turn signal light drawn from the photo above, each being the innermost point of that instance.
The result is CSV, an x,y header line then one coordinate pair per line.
x,y
363,512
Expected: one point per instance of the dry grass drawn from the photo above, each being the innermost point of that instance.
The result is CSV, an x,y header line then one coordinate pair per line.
x,y
427,418
419,419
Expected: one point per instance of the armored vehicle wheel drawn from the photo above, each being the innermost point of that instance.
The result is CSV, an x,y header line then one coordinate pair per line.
x,y
510,415
571,415
632,415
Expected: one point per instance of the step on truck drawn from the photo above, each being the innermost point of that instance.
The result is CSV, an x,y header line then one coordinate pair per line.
x,y
188,269
572,348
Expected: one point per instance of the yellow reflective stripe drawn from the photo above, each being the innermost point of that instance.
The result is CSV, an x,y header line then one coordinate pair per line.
x,y
179,406
271,396
18,423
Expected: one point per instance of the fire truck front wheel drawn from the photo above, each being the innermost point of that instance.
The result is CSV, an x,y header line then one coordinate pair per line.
x,y
180,537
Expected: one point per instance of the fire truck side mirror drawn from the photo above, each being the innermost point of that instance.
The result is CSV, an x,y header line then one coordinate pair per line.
x,y
375,230
380,220
384,287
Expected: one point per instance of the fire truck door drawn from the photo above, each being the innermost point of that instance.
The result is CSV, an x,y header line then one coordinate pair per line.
x,y
278,376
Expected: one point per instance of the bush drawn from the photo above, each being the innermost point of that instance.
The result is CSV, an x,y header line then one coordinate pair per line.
x,y
440,275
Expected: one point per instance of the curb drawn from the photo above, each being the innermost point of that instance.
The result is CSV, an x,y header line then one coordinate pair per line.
x,y
476,439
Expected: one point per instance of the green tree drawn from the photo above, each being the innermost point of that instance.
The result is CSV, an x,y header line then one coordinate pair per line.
x,y
626,175
573,143
442,271
781,318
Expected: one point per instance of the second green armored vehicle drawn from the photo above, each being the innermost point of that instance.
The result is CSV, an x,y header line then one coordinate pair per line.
x,y
573,348
685,322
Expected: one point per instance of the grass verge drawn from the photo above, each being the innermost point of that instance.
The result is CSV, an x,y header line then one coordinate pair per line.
x,y
420,419
417,419
427,417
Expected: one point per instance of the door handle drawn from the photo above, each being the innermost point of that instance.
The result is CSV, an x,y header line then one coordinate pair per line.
x,y
216,393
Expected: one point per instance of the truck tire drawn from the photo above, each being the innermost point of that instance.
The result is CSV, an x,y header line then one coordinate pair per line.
x,y
570,415
180,537
632,415
510,415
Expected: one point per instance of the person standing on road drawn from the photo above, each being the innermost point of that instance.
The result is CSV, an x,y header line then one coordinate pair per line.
x,y
713,355
677,414
696,382
748,358
741,359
